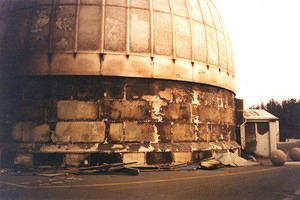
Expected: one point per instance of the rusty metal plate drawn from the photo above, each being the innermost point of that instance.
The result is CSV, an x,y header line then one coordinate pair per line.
x,y
39,28
215,16
206,13
82,64
122,3
89,28
179,8
183,37
212,43
162,34
115,29
139,31
140,4
199,41
161,5
64,36
133,66
194,10
167,69
222,51
91,2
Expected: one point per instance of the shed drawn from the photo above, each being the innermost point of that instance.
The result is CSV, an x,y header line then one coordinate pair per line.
x,y
259,132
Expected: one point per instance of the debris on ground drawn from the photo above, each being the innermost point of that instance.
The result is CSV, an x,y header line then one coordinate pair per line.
x,y
210,163
104,168
230,159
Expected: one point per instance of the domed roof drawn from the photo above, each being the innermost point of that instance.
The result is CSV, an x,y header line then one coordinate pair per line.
x,y
166,39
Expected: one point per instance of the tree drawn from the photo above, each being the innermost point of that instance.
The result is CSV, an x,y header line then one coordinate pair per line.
x,y
288,112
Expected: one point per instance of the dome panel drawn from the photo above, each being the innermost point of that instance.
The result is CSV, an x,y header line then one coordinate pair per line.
x,y
89,28
161,5
164,31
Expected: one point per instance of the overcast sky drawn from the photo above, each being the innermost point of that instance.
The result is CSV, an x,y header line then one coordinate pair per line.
x,y
265,35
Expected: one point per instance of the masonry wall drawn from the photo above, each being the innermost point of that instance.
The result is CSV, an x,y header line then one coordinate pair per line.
x,y
116,114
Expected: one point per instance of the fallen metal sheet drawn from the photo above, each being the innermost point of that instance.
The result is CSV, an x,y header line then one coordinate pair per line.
x,y
231,159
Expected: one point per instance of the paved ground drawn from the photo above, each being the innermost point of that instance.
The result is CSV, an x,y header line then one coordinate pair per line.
x,y
257,182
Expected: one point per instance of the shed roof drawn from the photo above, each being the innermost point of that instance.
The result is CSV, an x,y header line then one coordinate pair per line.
x,y
257,114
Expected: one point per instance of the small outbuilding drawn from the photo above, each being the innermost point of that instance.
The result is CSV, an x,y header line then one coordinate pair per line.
x,y
259,132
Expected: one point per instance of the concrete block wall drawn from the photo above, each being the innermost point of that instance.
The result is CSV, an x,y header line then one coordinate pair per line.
x,y
108,110
92,109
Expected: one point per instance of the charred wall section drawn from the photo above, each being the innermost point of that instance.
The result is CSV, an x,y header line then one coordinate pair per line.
x,y
108,114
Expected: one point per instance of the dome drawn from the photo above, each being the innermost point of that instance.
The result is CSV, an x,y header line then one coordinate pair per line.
x,y
182,40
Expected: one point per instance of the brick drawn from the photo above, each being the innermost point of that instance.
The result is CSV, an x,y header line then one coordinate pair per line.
x,y
128,110
183,132
24,160
31,132
182,157
77,110
134,157
136,132
75,159
177,112
80,131
116,132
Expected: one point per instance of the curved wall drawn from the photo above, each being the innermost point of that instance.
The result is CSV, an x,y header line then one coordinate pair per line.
x,y
176,40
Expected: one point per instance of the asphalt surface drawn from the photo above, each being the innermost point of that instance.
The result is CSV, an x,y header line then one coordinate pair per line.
x,y
256,182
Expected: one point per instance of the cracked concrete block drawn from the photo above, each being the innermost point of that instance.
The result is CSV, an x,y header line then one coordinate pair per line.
x,y
116,132
130,110
24,160
77,110
31,132
80,131
134,157
183,132
177,112
139,132
182,157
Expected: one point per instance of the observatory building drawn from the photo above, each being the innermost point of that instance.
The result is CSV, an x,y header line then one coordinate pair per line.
x,y
151,81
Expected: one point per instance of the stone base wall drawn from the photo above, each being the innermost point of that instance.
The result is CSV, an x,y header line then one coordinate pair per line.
x,y
65,110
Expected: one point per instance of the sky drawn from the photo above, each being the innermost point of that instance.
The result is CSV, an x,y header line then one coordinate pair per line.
x,y
265,36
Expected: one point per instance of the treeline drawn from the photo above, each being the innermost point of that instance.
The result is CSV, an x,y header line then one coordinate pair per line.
x,y
288,112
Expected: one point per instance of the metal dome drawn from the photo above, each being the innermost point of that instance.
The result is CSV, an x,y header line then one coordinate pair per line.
x,y
163,39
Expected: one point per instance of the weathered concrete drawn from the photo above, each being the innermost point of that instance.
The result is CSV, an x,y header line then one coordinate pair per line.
x,y
139,132
31,132
128,110
182,157
132,115
134,157
183,132
116,132
80,131
77,110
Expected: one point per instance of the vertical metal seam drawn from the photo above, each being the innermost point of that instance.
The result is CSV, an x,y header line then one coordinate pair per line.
x,y
151,29
102,32
191,29
77,26
223,27
204,25
51,26
173,30
128,29
219,66
102,27
225,36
